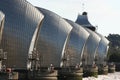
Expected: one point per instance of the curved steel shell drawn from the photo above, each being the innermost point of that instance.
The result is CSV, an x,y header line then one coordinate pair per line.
x,y
22,20
75,46
102,50
2,19
52,39
91,48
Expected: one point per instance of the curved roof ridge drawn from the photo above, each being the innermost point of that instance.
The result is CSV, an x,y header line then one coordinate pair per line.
x,y
1,15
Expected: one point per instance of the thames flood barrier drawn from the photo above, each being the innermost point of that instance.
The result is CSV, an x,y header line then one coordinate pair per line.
x,y
44,46
70,74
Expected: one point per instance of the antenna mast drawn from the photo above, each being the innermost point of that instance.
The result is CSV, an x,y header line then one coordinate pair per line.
x,y
83,5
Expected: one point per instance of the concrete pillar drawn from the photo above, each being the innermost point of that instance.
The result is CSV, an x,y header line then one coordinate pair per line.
x,y
66,74
42,75
103,70
9,76
90,71
23,75
13,76
3,76
111,68
94,71
117,66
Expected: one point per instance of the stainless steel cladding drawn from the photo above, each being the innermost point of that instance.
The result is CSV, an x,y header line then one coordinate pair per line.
x,y
91,48
76,43
2,19
102,50
52,39
22,20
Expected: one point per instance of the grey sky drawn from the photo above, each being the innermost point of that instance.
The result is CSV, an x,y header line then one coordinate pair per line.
x,y
103,13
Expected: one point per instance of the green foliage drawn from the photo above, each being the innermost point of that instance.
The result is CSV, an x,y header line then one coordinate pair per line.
x,y
114,49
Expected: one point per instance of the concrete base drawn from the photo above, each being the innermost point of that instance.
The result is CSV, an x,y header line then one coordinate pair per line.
x,y
42,75
103,70
3,76
91,71
117,67
13,76
9,76
23,75
111,69
65,74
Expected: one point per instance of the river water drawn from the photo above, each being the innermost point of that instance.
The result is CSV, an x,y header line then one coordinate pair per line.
x,y
110,76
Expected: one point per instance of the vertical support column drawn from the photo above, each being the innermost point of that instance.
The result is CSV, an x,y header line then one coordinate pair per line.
x,y
91,71
3,76
103,69
13,76
72,74
111,68
94,71
43,74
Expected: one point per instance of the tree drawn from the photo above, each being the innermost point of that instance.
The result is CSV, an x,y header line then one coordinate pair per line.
x,y
114,49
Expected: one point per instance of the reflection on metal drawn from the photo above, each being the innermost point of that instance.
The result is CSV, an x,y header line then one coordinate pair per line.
x,y
64,60
102,50
91,48
32,47
75,46
83,21
21,22
34,39
3,56
34,58
53,37
2,19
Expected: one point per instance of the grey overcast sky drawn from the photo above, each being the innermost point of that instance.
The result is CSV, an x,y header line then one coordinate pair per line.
x,y
102,13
